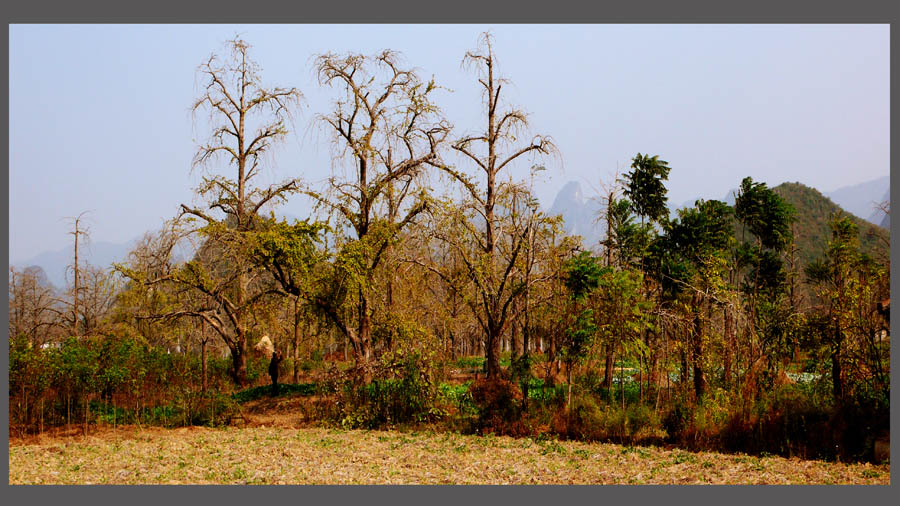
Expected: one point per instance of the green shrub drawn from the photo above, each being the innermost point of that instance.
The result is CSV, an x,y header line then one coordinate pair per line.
x,y
403,390
643,422
593,420
459,397
284,389
29,377
540,391
470,363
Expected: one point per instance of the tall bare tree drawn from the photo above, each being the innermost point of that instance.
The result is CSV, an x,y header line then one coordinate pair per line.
x,y
247,120
491,152
77,231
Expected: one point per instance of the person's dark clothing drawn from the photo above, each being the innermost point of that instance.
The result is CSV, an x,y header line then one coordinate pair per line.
x,y
273,371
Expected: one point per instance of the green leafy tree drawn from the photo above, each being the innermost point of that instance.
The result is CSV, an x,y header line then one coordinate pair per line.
x,y
768,218
628,239
292,253
847,285
765,214
622,314
701,237
583,274
645,187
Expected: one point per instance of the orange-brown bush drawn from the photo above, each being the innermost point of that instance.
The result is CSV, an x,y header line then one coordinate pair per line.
x,y
499,404
589,420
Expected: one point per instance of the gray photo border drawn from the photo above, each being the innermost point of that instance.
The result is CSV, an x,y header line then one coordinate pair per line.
x,y
467,11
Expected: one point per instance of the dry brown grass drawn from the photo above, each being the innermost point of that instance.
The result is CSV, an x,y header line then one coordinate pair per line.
x,y
286,455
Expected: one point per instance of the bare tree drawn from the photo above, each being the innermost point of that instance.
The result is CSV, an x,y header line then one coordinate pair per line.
x,y
33,307
98,296
491,273
884,206
146,297
77,231
247,120
386,125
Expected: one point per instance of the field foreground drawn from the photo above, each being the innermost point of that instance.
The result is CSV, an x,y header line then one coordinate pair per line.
x,y
277,455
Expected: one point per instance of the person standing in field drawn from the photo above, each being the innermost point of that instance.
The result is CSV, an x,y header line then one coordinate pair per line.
x,y
273,370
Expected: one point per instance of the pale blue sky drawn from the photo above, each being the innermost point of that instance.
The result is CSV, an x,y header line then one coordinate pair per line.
x,y
99,114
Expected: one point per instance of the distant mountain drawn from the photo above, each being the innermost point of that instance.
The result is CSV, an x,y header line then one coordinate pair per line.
x,y
880,217
861,199
812,226
38,272
728,198
56,264
673,207
579,214
99,253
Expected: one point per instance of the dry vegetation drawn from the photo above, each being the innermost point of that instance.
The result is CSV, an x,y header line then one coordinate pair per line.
x,y
724,327
280,455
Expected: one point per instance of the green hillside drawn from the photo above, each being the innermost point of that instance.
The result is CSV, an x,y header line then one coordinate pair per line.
x,y
811,228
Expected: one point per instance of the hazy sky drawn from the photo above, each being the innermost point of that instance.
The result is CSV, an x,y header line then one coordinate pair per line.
x,y
100,120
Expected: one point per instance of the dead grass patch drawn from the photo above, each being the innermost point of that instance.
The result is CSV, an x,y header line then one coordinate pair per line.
x,y
312,455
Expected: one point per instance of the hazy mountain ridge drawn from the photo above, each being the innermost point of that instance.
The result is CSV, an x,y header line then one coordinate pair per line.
x,y
861,199
580,215
878,216
56,263
812,227
814,210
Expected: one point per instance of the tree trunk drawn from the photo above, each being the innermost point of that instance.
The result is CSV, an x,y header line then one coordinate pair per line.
x,y
641,378
295,352
608,367
390,304
526,334
513,343
697,355
551,359
239,364
729,344
685,370
492,349
622,384
75,292
85,414
653,366
203,364
363,346
837,385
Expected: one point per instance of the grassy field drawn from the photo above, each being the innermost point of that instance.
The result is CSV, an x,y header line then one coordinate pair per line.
x,y
283,455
